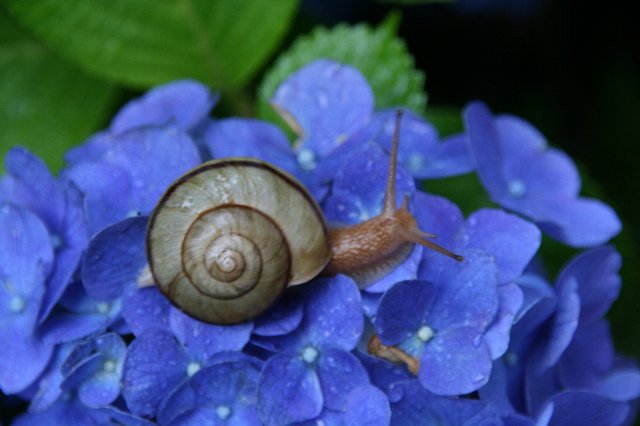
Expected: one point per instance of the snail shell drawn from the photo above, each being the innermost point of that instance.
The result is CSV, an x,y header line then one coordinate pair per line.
x,y
228,237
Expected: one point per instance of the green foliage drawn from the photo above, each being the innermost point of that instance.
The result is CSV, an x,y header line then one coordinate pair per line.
x,y
377,52
46,104
146,42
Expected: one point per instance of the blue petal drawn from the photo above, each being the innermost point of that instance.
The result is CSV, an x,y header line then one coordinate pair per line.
x,y
114,259
65,412
596,272
333,315
420,150
154,158
339,372
589,357
91,150
407,270
201,341
48,386
484,144
439,216
227,390
107,192
325,102
403,309
585,409
183,103
359,187
565,322
367,405
497,335
467,292
283,318
288,391
455,363
580,222
386,376
155,365
146,308
420,407
621,385
243,137
512,241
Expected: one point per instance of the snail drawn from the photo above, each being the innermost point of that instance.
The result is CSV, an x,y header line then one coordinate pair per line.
x,y
229,236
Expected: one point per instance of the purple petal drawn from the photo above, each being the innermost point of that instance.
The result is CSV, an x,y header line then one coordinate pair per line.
x,y
455,363
183,103
155,365
497,335
114,259
288,391
512,241
339,372
154,158
243,137
201,341
596,272
325,102
367,405
403,309
146,308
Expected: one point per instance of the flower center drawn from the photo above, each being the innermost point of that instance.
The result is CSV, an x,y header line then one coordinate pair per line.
x,y
109,366
517,188
103,308
425,333
309,354
193,368
56,241
306,159
416,162
223,412
16,304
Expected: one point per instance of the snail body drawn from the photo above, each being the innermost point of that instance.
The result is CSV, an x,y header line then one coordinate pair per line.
x,y
229,236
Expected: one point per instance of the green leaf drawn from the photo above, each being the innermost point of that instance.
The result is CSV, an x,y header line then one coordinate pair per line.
x,y
378,53
447,119
466,191
146,42
46,104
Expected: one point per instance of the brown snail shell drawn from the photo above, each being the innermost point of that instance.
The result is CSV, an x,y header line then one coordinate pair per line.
x,y
229,236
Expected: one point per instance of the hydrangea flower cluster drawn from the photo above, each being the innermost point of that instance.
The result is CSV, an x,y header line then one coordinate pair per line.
x,y
491,340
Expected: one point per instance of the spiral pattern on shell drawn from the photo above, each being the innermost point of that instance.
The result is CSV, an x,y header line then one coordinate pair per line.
x,y
229,236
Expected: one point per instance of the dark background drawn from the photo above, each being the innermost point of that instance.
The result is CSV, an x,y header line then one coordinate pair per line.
x,y
569,68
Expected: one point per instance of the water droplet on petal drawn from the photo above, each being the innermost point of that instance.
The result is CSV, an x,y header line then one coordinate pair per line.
x,y
517,188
